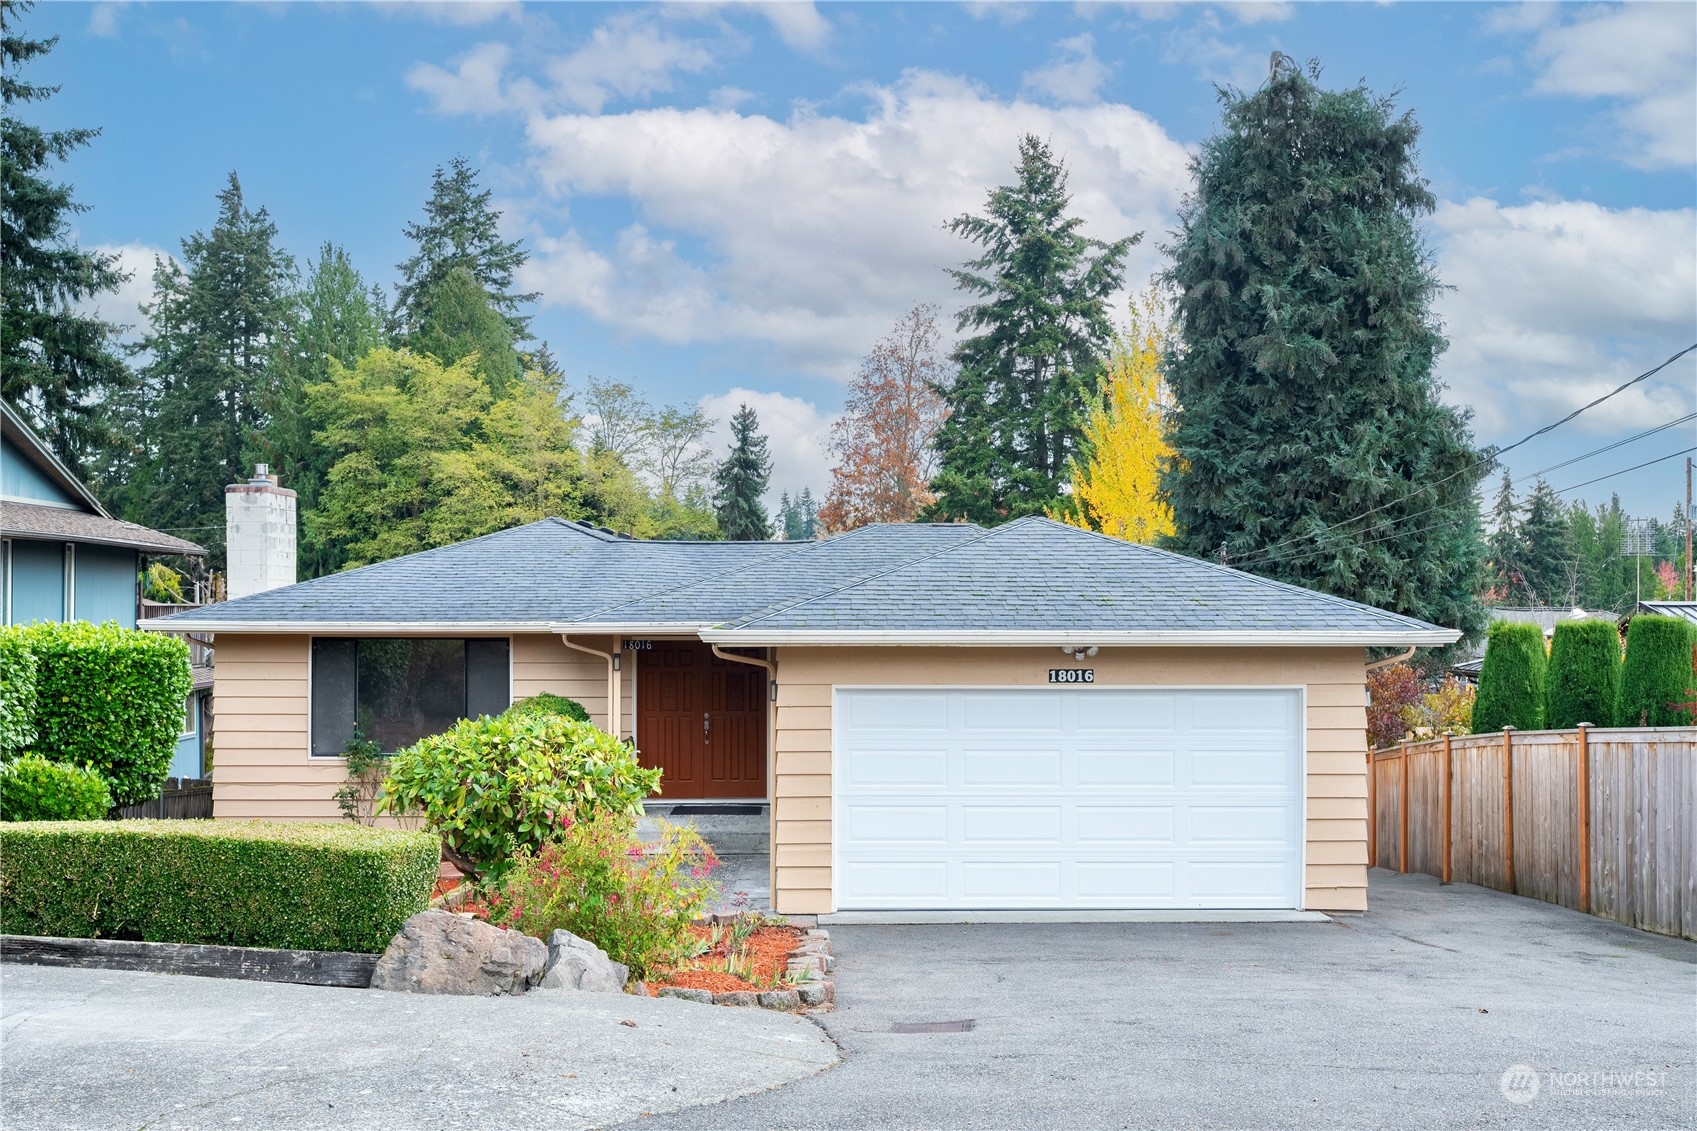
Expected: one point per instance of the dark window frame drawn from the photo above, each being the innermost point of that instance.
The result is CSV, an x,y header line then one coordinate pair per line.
x,y
480,684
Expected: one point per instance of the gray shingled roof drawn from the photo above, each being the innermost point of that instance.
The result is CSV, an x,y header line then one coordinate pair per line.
x,y
917,583
61,524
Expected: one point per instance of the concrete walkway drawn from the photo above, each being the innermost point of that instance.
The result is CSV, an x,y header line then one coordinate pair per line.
x,y
1407,1017
88,1049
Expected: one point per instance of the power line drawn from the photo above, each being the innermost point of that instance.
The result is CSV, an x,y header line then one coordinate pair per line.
x,y
1624,470
1267,553
1617,444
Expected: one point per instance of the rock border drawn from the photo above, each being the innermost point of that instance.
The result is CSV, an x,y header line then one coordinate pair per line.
x,y
811,958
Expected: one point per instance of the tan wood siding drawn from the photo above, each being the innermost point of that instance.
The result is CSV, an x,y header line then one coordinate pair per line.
x,y
262,761
1335,739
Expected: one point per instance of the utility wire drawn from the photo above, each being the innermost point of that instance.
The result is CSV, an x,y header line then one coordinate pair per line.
x,y
1484,464
1617,444
1624,470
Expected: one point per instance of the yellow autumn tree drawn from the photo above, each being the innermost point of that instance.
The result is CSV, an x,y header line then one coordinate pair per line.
x,y
1118,491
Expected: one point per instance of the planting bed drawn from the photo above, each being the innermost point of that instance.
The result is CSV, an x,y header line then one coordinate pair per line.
x,y
775,966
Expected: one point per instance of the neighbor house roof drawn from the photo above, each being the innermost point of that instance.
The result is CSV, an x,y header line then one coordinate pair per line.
x,y
91,524
1032,581
1686,609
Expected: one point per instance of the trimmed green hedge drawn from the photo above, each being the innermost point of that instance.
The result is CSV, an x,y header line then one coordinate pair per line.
x,y
110,698
34,789
547,703
1511,682
1584,676
1657,675
17,692
232,883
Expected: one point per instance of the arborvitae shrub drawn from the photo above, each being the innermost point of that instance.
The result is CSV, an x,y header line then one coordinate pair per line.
x,y
1511,683
1584,676
1656,681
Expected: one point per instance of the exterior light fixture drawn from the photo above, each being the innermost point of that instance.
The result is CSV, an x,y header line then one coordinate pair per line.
x,y
1078,651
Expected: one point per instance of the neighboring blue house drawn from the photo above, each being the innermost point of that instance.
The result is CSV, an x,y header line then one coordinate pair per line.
x,y
63,557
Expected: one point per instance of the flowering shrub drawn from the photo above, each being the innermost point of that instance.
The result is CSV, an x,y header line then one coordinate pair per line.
x,y
493,786
1391,691
598,881
1448,710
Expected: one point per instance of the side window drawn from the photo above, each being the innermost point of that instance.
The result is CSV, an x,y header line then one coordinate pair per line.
x,y
399,690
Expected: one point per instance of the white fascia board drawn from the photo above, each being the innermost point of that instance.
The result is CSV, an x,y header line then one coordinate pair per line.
x,y
631,628
1047,638
344,628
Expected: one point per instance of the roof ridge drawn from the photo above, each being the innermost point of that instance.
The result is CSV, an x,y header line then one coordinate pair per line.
x,y
775,610
1232,570
800,547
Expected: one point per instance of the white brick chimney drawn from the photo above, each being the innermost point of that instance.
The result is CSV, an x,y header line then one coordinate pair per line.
x,y
259,531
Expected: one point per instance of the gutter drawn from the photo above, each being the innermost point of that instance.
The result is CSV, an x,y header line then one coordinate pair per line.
x,y
1389,660
754,637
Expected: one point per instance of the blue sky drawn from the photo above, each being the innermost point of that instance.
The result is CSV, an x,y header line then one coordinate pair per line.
x,y
731,202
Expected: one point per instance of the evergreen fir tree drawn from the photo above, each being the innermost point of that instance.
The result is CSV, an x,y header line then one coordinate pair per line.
x,y
741,481
1546,543
218,325
460,229
1311,444
58,366
1504,543
1030,370
338,317
789,518
808,511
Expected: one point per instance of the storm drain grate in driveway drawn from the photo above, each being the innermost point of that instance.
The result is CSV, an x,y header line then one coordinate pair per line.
x,y
935,1026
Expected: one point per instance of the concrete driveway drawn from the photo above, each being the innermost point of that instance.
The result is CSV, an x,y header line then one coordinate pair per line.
x,y
1407,1017
103,1049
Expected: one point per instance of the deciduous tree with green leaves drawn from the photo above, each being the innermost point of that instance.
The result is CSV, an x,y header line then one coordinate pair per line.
x,y
1031,367
1311,442
58,364
741,481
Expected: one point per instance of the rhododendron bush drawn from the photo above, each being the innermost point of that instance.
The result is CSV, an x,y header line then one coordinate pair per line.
x,y
597,880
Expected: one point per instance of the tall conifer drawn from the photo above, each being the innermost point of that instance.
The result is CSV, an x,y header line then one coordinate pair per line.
x,y
741,481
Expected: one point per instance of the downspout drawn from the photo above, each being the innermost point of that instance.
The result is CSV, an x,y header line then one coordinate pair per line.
x,y
771,762
615,722
1389,660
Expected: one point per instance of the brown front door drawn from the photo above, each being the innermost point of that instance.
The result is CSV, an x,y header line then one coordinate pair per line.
x,y
702,720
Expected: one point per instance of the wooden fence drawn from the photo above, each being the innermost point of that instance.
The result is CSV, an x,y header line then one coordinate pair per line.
x,y
189,799
1598,820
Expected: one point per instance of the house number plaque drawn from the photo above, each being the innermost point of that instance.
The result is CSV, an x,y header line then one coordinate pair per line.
x,y
1072,675
638,645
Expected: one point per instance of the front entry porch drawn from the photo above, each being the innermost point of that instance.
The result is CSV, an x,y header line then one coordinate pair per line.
x,y
700,719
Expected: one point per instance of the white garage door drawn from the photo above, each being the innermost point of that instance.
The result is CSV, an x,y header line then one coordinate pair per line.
x,y
1100,798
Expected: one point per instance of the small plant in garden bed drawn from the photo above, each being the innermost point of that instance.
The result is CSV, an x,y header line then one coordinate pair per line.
x,y
751,952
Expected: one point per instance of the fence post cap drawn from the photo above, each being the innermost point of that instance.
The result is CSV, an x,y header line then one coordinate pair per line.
x,y
1586,724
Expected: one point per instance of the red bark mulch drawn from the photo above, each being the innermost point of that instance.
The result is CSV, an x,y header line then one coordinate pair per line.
x,y
769,947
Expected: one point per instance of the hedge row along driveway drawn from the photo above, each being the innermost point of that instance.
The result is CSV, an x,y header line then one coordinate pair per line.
x,y
291,886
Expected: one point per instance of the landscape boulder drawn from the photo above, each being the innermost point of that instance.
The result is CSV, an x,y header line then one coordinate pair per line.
x,y
577,964
438,952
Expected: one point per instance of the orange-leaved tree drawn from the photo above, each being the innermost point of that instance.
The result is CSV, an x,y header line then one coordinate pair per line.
x,y
1118,490
882,441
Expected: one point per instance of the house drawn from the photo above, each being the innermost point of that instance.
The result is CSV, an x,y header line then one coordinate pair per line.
x,y
942,716
64,557
1685,609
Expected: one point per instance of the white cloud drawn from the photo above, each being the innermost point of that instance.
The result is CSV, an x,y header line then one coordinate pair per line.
x,y
123,306
1642,56
798,23
1260,11
1556,302
103,18
811,235
458,13
472,87
1074,74
1005,12
795,431
629,56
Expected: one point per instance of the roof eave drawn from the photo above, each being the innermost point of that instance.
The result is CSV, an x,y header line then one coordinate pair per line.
x,y
1329,638
189,622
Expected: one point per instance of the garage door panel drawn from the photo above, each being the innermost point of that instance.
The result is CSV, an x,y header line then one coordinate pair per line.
x,y
1120,712
1125,824
1010,767
1239,712
1150,813
997,711
1126,767
903,768
873,824
897,711
999,824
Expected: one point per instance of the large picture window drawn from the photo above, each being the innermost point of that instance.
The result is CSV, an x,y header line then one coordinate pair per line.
x,y
400,690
